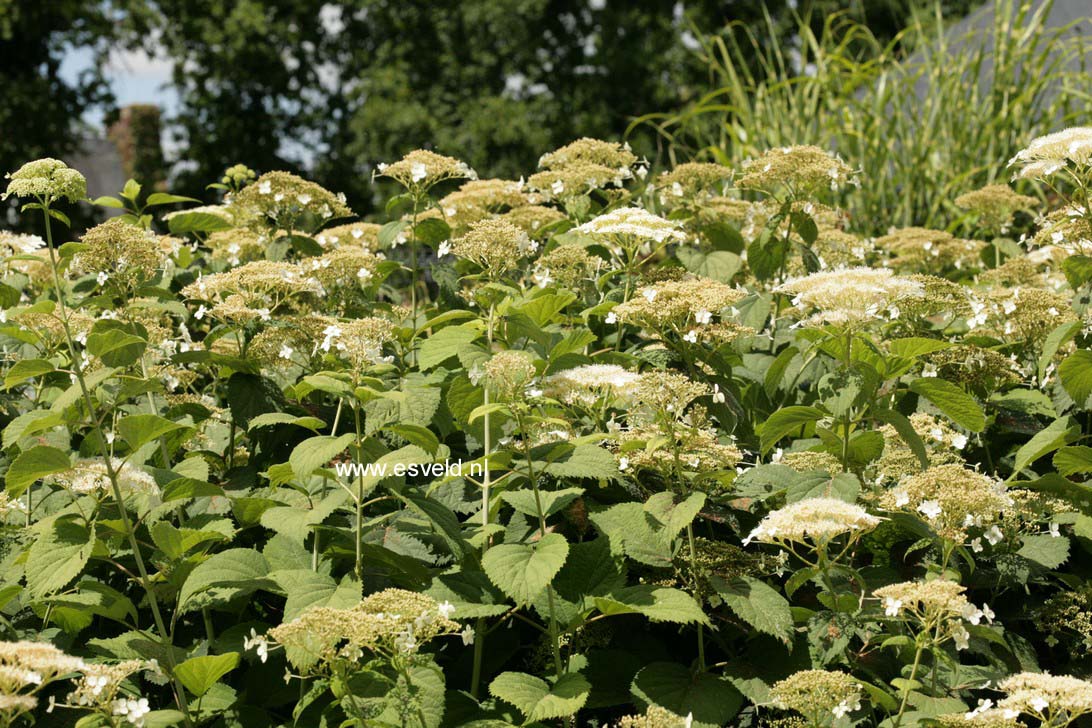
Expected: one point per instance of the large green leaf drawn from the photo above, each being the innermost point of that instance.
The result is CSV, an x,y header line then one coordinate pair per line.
x,y
58,556
843,486
758,604
583,461
30,423
552,501
1058,433
32,464
711,700
1048,551
537,699
316,452
523,571
445,344
425,681
199,674
674,517
225,575
305,588
658,604
1074,459
26,369
950,399
630,530
720,265
140,429
785,421
115,343
183,223
1076,375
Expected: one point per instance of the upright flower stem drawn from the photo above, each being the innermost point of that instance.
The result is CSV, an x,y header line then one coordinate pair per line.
x,y
906,691
359,525
487,439
112,475
554,639
847,424
479,627
694,578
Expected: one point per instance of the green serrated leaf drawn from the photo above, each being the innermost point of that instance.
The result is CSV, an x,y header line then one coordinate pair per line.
x,y
316,452
1048,551
537,699
32,464
523,571
709,700
658,604
552,500
138,430
199,674
786,421
225,575
58,556
1075,373
756,603
950,399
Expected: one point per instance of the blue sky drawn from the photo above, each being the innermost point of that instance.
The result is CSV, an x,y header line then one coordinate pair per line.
x,y
136,79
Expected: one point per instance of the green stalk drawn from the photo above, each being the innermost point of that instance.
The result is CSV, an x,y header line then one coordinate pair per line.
x,y
479,627
554,638
359,526
112,476
694,579
906,690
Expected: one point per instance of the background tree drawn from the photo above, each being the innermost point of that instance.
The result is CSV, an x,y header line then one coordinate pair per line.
x,y
41,114
335,87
